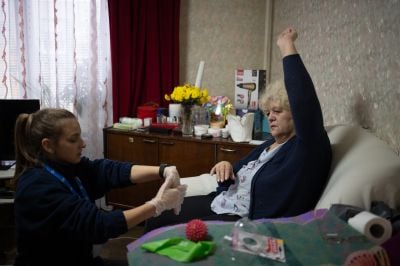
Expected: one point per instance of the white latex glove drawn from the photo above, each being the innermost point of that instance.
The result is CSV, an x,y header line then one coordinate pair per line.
x,y
172,173
168,197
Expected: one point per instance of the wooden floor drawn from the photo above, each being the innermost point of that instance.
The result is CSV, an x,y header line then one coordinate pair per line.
x,y
115,249
7,257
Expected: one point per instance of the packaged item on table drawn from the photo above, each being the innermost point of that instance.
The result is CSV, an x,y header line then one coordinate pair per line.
x,y
246,239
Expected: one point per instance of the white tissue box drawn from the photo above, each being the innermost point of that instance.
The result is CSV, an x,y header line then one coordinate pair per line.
x,y
249,84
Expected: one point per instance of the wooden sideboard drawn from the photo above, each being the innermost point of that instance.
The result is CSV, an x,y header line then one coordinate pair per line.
x,y
191,155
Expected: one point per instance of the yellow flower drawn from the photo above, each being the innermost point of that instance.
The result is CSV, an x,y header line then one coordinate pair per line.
x,y
188,94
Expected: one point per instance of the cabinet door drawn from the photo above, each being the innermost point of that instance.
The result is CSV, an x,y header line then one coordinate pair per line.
x,y
120,147
146,150
139,150
191,158
232,153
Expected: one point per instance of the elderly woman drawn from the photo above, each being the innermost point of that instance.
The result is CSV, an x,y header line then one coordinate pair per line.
x,y
281,177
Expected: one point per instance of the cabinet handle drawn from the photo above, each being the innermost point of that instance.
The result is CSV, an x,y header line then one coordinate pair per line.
x,y
227,150
167,143
131,140
149,141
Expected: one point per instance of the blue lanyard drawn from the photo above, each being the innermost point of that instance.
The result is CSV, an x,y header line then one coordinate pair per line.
x,y
65,182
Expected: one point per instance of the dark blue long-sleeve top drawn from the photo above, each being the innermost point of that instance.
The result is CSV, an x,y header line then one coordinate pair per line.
x,y
58,227
293,180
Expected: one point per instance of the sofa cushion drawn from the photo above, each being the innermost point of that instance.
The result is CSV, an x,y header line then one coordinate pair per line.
x,y
364,169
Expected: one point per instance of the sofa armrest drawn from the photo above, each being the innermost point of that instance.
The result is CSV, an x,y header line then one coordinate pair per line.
x,y
200,185
364,169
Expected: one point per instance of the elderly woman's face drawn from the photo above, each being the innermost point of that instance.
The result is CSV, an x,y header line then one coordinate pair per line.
x,y
280,122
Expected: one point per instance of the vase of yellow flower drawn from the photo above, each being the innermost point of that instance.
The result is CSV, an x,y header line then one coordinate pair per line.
x,y
188,96
187,120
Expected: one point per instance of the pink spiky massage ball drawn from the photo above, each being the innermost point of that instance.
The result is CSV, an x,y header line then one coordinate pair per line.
x,y
196,230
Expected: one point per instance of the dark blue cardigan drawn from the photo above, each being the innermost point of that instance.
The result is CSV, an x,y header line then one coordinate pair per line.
x,y
292,182
57,227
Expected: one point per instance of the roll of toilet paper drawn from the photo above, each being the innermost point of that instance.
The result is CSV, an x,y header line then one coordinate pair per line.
x,y
375,228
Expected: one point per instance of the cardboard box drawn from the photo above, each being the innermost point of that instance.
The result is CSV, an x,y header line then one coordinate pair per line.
x,y
249,84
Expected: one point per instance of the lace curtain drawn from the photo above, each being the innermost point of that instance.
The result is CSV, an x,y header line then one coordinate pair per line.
x,y
58,51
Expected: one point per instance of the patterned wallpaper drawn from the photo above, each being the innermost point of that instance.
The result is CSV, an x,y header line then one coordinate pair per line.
x,y
227,35
351,49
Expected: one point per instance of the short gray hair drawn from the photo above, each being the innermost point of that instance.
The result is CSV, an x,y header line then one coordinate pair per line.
x,y
275,92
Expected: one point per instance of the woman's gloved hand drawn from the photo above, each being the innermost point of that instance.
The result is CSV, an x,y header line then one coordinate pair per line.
x,y
168,197
172,173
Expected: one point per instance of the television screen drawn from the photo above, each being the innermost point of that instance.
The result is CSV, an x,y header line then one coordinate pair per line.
x,y
9,111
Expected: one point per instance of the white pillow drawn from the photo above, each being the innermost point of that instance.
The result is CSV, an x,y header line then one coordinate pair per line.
x,y
364,169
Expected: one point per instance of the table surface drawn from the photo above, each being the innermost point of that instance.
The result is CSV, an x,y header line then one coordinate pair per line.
x,y
302,237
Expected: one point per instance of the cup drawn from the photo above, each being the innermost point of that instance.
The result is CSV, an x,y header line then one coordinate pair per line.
x,y
200,130
225,133
215,132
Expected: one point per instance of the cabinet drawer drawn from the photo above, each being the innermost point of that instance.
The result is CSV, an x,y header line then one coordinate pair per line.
x,y
136,149
190,158
146,150
232,153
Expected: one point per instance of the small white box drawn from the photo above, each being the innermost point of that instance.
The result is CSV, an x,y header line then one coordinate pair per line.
x,y
249,84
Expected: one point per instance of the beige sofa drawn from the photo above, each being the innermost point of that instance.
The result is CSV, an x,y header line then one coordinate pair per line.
x,y
364,169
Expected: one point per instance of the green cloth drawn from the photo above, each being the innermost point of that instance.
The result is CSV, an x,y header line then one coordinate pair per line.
x,y
180,249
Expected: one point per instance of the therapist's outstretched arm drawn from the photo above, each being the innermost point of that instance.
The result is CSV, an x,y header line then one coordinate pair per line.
x,y
167,198
146,173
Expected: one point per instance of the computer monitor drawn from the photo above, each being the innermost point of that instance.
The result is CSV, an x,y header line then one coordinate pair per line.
x,y
10,109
